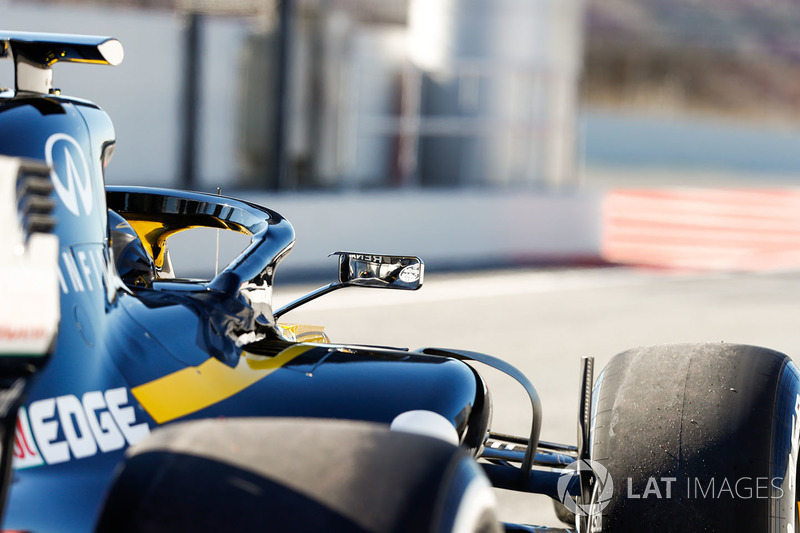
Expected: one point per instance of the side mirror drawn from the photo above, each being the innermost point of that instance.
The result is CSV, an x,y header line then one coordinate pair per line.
x,y
380,271
368,270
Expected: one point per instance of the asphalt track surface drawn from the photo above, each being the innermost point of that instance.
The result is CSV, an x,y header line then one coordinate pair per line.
x,y
544,321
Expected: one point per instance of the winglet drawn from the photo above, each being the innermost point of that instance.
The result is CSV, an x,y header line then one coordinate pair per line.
x,y
35,53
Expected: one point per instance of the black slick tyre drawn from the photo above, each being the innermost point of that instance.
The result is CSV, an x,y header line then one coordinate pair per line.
x,y
697,437
289,475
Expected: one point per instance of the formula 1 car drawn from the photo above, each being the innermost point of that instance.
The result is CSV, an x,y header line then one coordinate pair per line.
x,y
135,400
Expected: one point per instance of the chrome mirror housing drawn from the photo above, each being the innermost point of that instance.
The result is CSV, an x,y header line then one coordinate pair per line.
x,y
368,270
380,271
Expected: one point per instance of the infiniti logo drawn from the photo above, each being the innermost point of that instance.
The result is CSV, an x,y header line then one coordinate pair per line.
x,y
70,172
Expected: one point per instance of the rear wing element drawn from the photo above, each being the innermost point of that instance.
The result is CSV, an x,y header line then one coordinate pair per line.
x,y
35,53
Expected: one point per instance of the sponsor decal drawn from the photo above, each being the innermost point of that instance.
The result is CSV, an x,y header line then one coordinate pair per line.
x,y
409,274
70,173
82,270
26,454
57,430
370,258
22,333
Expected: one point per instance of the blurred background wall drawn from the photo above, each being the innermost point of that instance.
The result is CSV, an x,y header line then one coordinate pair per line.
x,y
707,90
363,93
332,106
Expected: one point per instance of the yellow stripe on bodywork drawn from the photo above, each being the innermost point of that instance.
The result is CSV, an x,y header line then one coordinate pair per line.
x,y
193,388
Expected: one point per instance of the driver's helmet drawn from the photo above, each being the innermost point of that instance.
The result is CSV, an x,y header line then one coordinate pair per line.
x,y
134,264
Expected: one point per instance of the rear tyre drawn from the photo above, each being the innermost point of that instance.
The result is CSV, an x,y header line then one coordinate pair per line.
x,y
697,438
297,475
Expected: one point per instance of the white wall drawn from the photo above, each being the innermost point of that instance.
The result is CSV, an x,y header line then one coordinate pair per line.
x,y
142,95
472,228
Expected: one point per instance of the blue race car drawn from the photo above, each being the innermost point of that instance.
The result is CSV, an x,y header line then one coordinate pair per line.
x,y
134,400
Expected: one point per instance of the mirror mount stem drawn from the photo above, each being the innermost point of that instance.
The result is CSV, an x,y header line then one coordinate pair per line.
x,y
313,295
367,270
